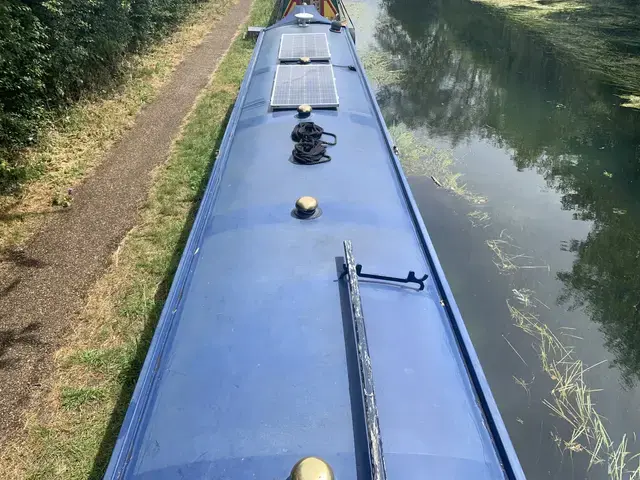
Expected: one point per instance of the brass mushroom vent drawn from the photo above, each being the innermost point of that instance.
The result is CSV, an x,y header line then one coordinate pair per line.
x,y
312,468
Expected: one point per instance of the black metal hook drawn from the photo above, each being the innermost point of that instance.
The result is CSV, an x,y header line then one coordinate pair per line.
x,y
411,278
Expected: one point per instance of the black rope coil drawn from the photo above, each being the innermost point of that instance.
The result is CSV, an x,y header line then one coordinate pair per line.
x,y
309,131
310,149
310,152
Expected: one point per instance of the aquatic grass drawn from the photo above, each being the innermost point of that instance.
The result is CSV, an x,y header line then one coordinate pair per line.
x,y
618,459
503,260
543,8
421,158
357,11
478,218
632,101
570,398
577,337
523,295
582,30
524,384
508,257
71,429
380,67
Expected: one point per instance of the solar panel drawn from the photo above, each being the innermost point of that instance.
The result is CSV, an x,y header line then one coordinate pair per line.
x,y
296,85
293,46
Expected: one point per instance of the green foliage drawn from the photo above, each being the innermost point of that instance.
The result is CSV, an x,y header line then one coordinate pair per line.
x,y
22,56
73,398
54,51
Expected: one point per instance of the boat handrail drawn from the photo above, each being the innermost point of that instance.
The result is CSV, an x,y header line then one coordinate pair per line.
x,y
374,439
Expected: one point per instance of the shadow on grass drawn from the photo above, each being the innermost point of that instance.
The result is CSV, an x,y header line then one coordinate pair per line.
x,y
133,370
8,217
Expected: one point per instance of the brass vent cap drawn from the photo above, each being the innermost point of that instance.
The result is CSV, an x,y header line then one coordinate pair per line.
x,y
306,205
312,468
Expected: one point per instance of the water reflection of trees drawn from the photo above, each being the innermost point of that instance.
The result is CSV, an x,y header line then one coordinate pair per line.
x,y
466,72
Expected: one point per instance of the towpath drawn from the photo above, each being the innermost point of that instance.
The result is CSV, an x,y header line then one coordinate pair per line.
x,y
44,286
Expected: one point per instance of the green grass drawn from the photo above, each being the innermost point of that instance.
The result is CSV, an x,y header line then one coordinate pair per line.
x,y
72,398
107,362
70,432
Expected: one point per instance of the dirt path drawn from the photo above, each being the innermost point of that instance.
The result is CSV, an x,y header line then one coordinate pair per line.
x,y
44,286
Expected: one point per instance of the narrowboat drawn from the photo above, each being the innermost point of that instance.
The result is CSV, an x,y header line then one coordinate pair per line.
x,y
310,333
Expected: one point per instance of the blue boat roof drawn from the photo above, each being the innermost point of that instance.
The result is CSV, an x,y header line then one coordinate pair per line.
x,y
249,367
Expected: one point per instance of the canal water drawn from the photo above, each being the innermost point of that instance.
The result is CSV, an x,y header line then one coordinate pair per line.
x,y
539,236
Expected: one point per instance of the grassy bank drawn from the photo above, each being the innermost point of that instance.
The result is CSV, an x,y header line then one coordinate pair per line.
x,y
72,146
600,36
70,431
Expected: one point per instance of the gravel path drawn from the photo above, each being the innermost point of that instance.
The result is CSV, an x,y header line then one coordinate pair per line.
x,y
45,286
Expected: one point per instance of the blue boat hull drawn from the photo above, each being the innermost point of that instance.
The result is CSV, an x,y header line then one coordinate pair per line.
x,y
253,364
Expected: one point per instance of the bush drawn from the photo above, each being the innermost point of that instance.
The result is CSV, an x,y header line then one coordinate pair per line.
x,y
54,51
